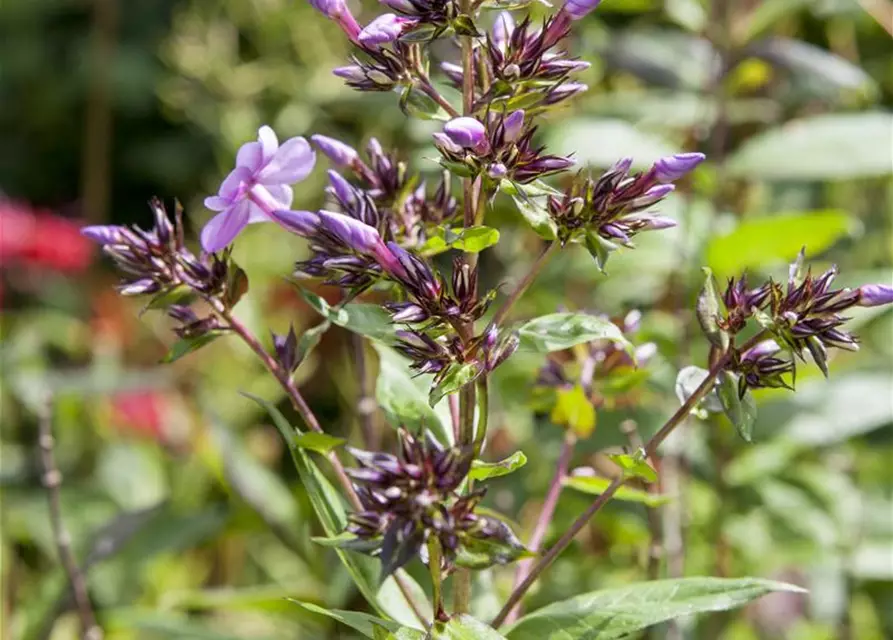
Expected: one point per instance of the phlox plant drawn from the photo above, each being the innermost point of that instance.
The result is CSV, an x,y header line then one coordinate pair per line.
x,y
382,224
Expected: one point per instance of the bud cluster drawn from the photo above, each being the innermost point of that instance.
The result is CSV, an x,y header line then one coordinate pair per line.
x,y
412,497
803,317
501,146
610,211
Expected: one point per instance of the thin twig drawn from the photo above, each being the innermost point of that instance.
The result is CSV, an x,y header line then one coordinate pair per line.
x,y
545,517
656,544
677,418
522,286
52,481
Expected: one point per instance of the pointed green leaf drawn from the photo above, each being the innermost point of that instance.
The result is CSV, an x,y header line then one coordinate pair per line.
x,y
310,338
369,320
708,311
403,395
634,466
175,295
469,240
464,627
187,345
599,248
319,442
594,485
362,622
574,410
536,216
612,614
558,331
741,411
485,470
458,375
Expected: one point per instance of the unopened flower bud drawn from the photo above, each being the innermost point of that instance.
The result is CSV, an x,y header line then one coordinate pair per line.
x,y
762,350
577,9
355,234
341,188
385,28
104,234
341,154
445,143
513,125
672,168
655,194
497,170
353,73
874,295
303,223
139,287
468,133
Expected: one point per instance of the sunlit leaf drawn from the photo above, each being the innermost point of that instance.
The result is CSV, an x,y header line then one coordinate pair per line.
x,y
458,375
464,627
186,346
573,409
634,466
621,612
369,320
557,331
319,442
594,485
485,470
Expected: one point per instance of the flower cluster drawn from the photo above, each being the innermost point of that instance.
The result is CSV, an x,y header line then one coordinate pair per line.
x,y
501,148
413,497
608,212
803,317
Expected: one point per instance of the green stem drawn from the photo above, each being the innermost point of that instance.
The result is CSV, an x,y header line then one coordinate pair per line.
x,y
483,402
435,560
535,268
650,449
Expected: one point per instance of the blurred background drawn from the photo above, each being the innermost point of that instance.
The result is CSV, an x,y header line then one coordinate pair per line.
x,y
178,494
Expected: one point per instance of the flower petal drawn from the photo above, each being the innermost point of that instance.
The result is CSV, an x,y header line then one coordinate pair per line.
x,y
229,188
291,163
282,194
250,156
269,143
224,227
256,214
216,203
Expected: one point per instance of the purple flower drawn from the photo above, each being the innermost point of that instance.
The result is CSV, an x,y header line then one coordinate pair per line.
x,y
385,28
103,234
577,9
353,73
341,154
357,235
303,223
258,186
337,10
341,187
875,295
672,168
655,194
762,350
467,133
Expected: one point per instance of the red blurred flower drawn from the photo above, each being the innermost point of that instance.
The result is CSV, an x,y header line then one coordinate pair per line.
x,y
41,238
141,413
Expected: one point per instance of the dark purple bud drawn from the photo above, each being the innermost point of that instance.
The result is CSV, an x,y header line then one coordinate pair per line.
x,y
874,295
286,348
385,28
303,223
577,9
139,287
409,312
468,133
514,125
104,234
672,168
164,230
452,71
341,188
341,154
564,91
182,313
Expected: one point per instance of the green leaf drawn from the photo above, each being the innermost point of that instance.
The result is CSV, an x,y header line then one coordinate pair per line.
x,y
634,466
689,379
741,411
236,285
837,146
708,311
362,622
369,320
536,216
457,376
464,627
485,470
469,240
164,299
574,410
414,102
594,485
404,397
319,442
187,345
622,612
763,242
599,248
558,331
310,338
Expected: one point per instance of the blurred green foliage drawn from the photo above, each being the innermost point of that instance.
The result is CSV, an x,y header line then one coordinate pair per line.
x,y
178,493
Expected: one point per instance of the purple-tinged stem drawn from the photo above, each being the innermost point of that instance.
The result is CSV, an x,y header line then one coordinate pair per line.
x,y
52,481
424,83
650,449
291,390
519,290
545,517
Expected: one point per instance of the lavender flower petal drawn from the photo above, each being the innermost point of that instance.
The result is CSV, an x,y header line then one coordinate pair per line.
x,y
291,163
224,227
875,295
385,28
